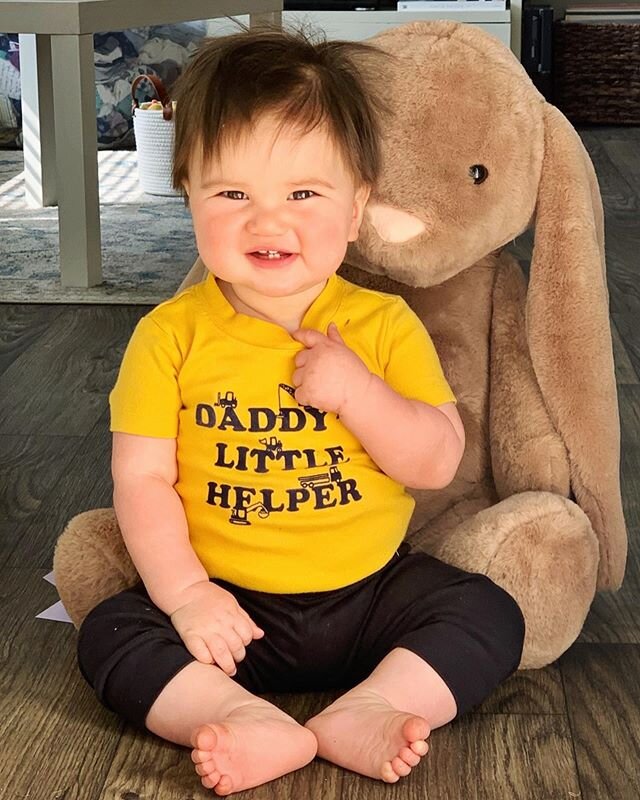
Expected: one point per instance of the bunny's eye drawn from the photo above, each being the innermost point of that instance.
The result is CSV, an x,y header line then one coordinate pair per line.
x,y
479,173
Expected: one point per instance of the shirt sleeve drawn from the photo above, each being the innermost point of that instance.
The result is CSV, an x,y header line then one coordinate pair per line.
x,y
413,368
146,399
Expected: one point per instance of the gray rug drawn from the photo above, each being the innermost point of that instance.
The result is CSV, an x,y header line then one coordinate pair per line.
x,y
147,241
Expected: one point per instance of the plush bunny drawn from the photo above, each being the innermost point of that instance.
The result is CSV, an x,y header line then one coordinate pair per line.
x,y
473,158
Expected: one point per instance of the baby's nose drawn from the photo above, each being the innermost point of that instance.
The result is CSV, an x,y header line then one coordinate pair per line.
x,y
267,222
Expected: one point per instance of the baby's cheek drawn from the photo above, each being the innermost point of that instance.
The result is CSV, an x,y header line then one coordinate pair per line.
x,y
330,238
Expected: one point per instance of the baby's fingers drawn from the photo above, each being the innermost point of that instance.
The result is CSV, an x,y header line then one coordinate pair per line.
x,y
244,629
236,645
198,649
256,632
221,653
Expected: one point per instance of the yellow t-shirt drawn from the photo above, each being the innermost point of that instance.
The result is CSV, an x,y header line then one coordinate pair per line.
x,y
278,497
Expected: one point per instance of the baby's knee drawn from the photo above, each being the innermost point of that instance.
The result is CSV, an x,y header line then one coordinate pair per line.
x,y
93,637
499,620
127,652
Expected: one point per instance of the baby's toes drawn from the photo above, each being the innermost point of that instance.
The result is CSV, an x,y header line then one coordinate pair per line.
x,y
400,767
409,757
206,768
200,756
210,780
388,774
224,785
419,747
203,739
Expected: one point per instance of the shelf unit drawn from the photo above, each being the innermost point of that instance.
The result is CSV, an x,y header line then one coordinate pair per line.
x,y
356,25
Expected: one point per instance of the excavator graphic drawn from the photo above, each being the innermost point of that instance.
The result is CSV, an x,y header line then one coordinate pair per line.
x,y
239,515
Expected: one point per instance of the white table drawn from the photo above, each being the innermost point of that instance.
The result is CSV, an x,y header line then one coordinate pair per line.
x,y
59,106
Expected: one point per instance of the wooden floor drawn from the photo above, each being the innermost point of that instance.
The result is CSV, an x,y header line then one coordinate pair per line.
x,y
571,730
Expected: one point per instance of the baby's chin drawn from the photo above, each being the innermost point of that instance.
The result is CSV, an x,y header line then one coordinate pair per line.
x,y
284,285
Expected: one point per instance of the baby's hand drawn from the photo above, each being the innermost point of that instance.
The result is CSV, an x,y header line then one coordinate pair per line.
x,y
329,374
213,627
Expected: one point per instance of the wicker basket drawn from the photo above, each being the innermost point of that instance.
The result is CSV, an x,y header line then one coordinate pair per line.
x,y
597,72
154,132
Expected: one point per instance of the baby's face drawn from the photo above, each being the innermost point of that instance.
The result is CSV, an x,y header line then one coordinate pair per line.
x,y
292,195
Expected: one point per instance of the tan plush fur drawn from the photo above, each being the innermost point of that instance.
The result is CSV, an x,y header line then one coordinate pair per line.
x,y
536,502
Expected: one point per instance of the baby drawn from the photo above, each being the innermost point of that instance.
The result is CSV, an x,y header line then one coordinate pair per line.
x,y
265,425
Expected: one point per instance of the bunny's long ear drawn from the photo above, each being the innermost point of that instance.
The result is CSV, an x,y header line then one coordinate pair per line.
x,y
569,335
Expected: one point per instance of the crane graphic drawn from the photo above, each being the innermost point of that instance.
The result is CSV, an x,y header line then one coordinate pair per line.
x,y
291,391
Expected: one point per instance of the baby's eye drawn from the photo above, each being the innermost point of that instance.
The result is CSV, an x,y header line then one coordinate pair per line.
x,y
308,192
231,194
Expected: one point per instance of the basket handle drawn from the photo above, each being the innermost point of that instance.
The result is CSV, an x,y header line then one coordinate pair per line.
x,y
161,92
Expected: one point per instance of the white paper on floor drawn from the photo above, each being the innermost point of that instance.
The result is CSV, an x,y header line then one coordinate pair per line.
x,y
57,611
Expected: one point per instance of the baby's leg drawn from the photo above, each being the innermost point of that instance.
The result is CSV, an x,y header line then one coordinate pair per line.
x,y
450,637
228,727
380,726
133,657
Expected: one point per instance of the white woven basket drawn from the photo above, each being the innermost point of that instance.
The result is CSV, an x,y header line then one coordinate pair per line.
x,y
154,143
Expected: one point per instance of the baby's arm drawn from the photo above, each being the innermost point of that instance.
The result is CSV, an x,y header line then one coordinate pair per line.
x,y
416,444
213,627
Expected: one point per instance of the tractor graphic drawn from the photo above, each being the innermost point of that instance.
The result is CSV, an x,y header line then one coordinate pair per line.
x,y
227,400
321,478
273,446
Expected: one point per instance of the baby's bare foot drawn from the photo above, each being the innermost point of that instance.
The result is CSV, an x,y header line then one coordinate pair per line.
x,y
363,732
254,744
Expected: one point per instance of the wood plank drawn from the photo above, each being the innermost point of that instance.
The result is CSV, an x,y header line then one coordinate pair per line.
x,y
615,616
145,766
84,484
625,154
529,691
74,369
617,193
29,470
626,322
486,757
627,133
602,684
20,327
622,245
56,740
148,767
624,369
629,405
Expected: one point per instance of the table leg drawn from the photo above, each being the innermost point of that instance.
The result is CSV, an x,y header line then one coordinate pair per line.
x,y
39,146
74,96
268,17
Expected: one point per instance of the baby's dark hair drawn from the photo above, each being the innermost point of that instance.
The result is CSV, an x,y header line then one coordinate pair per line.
x,y
234,80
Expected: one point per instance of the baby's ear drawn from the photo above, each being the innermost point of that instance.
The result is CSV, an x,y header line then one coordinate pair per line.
x,y
359,202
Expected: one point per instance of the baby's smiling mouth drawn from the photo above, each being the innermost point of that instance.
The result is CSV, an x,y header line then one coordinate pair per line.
x,y
271,255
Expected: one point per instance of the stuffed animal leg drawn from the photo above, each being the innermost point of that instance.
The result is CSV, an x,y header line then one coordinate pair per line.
x,y
525,544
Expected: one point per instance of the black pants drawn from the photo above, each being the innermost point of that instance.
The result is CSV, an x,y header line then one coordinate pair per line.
x,y
467,628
